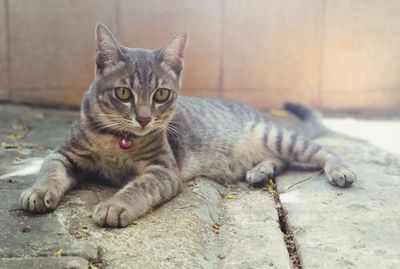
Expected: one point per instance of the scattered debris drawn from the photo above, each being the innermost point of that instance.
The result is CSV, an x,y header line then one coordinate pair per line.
x,y
11,146
299,183
291,246
271,187
216,227
78,235
191,183
58,253
18,159
221,256
25,228
21,133
10,180
230,186
222,194
93,266
230,197
5,145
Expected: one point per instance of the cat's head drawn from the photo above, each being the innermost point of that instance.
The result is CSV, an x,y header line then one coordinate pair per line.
x,y
135,90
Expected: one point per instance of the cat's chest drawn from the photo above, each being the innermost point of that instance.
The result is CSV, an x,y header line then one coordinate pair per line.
x,y
115,163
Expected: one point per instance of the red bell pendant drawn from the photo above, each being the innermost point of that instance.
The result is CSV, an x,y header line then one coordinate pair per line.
x,y
125,143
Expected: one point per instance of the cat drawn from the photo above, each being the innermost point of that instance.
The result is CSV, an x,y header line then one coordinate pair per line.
x,y
136,131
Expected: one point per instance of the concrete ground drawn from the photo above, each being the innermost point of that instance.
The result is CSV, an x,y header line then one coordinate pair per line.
x,y
207,225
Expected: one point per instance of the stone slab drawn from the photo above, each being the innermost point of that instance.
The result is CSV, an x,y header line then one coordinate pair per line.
x,y
178,234
357,227
250,229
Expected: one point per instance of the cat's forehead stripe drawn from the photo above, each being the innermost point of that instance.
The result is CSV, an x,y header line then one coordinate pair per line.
x,y
136,80
152,80
114,69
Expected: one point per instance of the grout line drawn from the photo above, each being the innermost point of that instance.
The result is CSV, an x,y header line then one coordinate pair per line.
x,y
117,19
8,50
221,51
321,55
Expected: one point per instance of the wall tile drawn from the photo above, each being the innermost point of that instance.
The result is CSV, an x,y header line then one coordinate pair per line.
x,y
151,24
330,54
362,54
52,47
379,100
4,87
273,46
265,99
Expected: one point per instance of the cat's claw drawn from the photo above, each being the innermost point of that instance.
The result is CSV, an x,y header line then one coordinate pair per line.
x,y
39,200
113,213
342,177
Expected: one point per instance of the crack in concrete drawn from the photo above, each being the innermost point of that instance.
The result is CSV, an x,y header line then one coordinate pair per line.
x,y
288,235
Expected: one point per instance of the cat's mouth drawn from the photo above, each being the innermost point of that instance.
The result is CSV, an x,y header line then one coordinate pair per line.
x,y
142,131
133,129
153,125
139,131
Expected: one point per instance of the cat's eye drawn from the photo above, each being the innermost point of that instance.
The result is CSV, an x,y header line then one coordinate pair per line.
x,y
123,94
161,95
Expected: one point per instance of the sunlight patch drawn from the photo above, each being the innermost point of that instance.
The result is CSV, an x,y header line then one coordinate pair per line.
x,y
26,167
381,133
290,197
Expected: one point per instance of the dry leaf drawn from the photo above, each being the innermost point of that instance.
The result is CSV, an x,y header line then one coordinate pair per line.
x,y
58,253
230,197
279,112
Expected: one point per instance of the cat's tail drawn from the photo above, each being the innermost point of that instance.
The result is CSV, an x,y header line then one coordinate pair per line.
x,y
311,125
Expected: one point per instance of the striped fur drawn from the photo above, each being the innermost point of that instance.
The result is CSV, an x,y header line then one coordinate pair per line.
x,y
187,137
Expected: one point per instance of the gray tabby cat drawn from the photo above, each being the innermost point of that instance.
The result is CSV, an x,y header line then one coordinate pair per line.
x,y
136,131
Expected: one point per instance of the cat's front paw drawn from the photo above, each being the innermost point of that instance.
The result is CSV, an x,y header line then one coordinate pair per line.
x,y
260,175
113,213
342,177
39,199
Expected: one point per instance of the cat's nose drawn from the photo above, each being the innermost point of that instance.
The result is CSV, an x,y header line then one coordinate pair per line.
x,y
143,120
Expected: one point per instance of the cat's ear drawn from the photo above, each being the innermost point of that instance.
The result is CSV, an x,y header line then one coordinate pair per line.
x,y
108,51
171,56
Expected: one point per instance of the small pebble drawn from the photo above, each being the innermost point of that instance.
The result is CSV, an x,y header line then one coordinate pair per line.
x,y
78,235
25,228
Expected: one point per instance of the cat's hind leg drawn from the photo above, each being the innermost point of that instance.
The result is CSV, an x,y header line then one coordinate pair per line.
x,y
265,170
294,148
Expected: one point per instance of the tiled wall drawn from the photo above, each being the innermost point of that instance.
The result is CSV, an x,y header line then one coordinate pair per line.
x,y
330,54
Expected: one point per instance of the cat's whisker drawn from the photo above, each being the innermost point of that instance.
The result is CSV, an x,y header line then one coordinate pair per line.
x,y
174,131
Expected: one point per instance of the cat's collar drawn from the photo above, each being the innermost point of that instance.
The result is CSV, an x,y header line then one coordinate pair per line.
x,y
125,142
